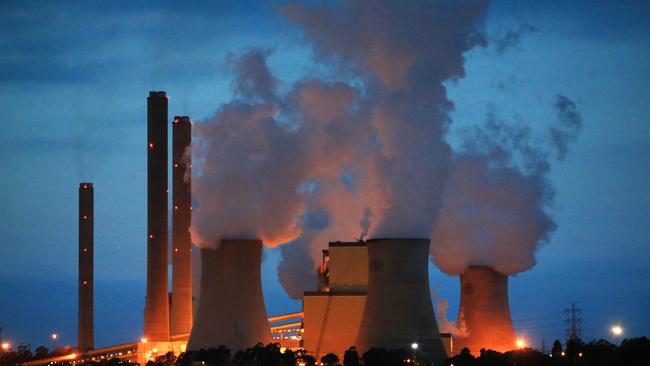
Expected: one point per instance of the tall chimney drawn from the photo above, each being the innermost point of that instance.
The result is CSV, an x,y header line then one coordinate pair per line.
x,y
85,321
181,218
231,308
398,310
156,312
485,310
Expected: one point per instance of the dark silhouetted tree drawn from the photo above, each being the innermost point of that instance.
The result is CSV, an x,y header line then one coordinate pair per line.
x,y
330,359
634,352
351,357
384,357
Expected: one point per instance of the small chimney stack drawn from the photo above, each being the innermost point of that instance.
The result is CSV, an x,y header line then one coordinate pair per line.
x,y
85,316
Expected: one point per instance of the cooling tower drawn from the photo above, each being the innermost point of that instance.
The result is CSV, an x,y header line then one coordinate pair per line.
x,y
398,309
156,312
231,308
85,321
181,321
485,310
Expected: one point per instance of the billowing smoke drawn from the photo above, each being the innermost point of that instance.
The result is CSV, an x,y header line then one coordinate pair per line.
x,y
398,57
362,151
496,202
255,169
401,53
246,187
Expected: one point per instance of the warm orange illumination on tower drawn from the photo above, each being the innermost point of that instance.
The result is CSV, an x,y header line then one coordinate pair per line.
x,y
485,309
181,217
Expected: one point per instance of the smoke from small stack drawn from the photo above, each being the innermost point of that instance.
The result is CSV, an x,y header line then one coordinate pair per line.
x,y
485,309
85,316
231,308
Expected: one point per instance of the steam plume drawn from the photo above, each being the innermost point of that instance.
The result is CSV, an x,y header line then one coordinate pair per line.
x,y
497,200
400,160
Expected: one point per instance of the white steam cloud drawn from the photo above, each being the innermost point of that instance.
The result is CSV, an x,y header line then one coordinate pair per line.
x,y
496,201
363,152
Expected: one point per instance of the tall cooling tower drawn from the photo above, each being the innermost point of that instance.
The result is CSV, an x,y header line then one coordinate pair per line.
x,y
85,315
181,310
231,308
398,310
156,312
485,310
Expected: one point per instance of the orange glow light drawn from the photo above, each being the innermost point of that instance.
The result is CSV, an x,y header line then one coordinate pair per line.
x,y
520,343
5,346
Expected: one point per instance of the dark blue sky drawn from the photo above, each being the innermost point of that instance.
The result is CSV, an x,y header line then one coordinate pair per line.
x,y
74,77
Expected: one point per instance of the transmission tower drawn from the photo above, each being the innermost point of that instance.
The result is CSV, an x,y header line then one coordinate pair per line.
x,y
573,322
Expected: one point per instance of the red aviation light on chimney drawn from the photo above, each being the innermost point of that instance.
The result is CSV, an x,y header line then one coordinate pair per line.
x,y
151,146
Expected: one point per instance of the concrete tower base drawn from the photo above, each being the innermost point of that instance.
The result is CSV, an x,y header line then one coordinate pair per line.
x,y
231,308
398,309
485,310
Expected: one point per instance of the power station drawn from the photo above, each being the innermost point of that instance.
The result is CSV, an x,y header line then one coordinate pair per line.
x,y
372,294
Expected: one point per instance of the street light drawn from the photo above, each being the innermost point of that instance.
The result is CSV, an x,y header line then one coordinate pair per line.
x,y
415,347
54,337
6,346
616,330
520,343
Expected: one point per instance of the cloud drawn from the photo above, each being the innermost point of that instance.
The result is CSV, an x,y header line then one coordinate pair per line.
x,y
503,40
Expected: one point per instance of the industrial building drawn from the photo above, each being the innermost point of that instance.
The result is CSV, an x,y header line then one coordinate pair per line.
x,y
370,294
333,316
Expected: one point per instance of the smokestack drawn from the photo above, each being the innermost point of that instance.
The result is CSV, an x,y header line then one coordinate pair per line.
x,y
85,321
156,312
398,310
231,308
181,217
485,309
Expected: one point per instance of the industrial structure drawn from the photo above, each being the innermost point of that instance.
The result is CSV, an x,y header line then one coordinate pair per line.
x,y
398,309
332,314
86,281
181,306
485,311
156,312
231,308
371,294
